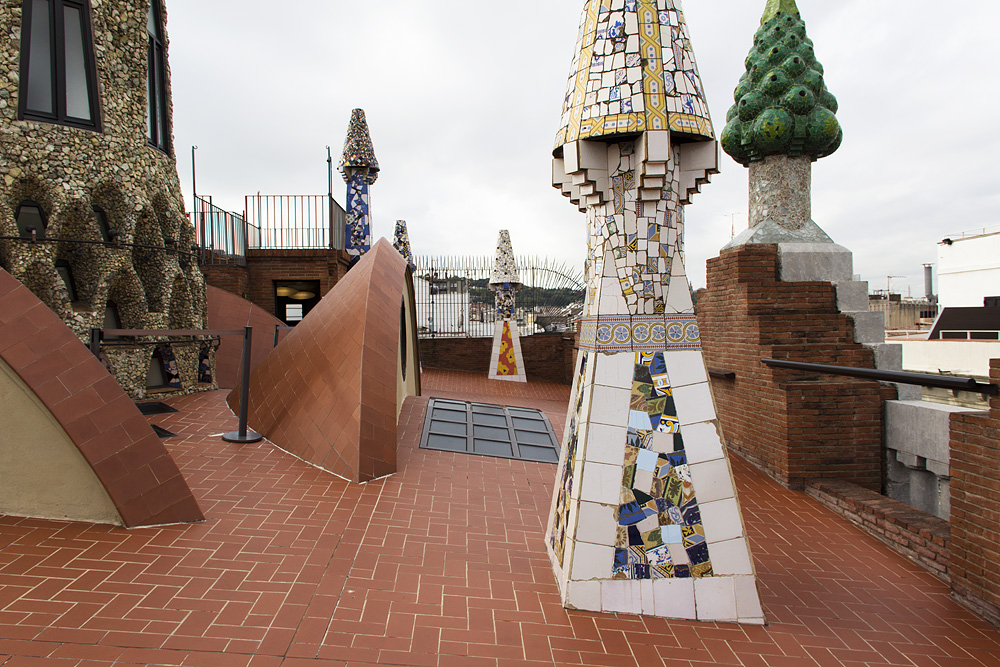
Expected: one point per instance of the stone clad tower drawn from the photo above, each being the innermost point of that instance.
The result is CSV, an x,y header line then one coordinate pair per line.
x,y
359,169
91,212
644,517
506,361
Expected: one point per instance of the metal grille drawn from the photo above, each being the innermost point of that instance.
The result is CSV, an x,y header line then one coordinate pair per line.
x,y
453,296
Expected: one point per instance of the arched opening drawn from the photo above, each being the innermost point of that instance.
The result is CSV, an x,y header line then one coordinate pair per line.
x,y
162,374
31,221
65,272
108,234
404,336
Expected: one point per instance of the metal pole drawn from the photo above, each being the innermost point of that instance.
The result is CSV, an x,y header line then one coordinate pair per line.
x,y
95,341
194,180
243,435
329,203
275,336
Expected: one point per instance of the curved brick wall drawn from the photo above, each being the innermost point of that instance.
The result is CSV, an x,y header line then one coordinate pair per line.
x,y
228,311
130,461
328,392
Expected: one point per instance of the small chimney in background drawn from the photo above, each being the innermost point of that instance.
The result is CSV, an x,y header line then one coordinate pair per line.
x,y
929,283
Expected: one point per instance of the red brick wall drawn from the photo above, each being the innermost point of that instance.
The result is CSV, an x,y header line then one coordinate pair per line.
x,y
256,282
232,279
793,425
921,537
548,357
975,506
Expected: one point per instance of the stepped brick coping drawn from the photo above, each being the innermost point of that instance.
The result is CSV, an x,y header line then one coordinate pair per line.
x,y
921,537
128,458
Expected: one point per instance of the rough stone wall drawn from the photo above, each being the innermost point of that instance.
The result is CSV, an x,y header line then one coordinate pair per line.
x,y
792,425
68,171
549,357
975,506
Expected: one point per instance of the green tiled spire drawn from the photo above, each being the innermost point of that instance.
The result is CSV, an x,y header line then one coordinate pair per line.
x,y
782,104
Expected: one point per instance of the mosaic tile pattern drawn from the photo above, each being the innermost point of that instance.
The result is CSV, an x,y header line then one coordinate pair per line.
x,y
360,169
557,532
505,281
401,242
634,70
507,360
649,333
660,533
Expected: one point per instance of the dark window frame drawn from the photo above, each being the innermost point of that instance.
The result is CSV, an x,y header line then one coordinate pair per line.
x,y
23,233
57,54
157,119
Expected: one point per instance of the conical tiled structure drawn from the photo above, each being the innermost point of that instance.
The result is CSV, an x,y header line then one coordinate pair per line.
x,y
359,169
644,517
401,242
506,362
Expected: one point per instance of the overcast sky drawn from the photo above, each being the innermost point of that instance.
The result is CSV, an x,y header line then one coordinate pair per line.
x,y
463,98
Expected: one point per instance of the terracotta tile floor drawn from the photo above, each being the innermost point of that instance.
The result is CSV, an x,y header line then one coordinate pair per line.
x,y
439,565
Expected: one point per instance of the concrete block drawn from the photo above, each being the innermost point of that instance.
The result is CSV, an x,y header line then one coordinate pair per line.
x,y
920,428
829,262
869,328
852,296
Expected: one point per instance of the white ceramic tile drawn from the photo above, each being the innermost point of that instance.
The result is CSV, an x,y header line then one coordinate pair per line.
x,y
694,403
596,523
601,483
584,595
715,599
615,370
685,367
721,520
610,406
592,561
712,480
702,442
622,596
678,554
730,557
679,296
674,598
606,444
748,600
647,597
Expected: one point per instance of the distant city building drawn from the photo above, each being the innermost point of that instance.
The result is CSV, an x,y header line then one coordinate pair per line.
x,y
969,269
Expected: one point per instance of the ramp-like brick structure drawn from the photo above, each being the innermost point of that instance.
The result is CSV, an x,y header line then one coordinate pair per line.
x,y
128,458
328,392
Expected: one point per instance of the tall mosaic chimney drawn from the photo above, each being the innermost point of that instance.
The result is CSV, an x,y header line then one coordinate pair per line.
x,y
645,518
506,361
360,169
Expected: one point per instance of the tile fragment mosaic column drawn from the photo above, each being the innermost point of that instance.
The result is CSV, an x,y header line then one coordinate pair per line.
x,y
360,169
506,362
645,518
401,242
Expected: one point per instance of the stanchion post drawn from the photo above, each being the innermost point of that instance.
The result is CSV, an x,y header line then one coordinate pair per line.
x,y
243,435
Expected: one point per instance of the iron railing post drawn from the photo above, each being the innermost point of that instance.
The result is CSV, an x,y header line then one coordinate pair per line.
x,y
95,341
243,435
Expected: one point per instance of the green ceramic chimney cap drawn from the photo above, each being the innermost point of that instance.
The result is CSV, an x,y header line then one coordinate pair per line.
x,y
775,7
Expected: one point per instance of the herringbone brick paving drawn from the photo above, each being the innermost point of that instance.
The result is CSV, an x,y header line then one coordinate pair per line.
x,y
440,565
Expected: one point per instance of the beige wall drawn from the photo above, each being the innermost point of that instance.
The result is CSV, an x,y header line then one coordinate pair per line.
x,y
410,386
44,475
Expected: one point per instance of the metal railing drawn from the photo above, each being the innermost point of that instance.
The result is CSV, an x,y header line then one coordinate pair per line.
x,y
222,235
901,377
170,336
453,296
295,221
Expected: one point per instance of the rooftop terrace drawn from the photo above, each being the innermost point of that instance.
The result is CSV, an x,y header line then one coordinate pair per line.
x,y
440,565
